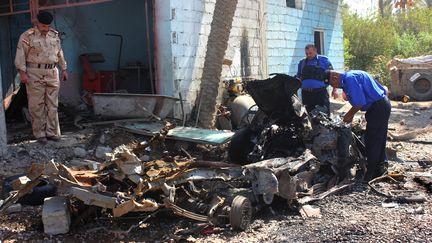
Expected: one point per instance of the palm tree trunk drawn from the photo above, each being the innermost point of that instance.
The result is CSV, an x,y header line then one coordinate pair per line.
x,y
381,7
216,46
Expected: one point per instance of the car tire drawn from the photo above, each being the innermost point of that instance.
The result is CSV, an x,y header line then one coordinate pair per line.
x,y
421,87
241,213
240,146
36,197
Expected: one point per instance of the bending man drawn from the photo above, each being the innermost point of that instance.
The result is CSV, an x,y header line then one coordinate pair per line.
x,y
366,94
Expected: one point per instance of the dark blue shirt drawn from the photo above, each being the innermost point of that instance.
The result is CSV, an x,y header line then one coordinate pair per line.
x,y
361,89
324,63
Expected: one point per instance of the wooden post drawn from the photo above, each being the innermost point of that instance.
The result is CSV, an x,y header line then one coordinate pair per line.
x,y
3,137
34,10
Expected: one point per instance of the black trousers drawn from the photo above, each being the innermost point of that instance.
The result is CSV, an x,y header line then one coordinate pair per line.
x,y
314,97
377,117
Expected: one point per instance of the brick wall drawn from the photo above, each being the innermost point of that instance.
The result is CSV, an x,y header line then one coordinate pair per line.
x,y
190,27
290,29
286,31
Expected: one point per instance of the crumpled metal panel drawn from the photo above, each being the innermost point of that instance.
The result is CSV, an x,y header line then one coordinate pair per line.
x,y
91,198
197,175
273,95
263,180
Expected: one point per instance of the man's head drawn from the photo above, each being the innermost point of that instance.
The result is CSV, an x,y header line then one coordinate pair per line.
x,y
44,21
310,51
333,78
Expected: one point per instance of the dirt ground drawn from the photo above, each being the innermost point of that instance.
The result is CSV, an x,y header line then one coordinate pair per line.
x,y
356,214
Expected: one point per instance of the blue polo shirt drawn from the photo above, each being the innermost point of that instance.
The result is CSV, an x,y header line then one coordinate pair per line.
x,y
324,63
361,89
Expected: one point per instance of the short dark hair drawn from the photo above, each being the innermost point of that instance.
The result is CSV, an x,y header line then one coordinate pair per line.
x,y
308,46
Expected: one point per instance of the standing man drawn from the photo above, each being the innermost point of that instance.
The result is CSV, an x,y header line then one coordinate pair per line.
x,y
311,72
38,54
366,94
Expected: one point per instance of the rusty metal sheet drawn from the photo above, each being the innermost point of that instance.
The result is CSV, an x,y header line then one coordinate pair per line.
x,y
85,177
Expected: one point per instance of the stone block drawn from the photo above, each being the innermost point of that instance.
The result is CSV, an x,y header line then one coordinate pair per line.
x,y
56,216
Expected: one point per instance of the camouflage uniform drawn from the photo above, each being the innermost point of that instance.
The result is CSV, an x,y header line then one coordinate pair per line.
x,y
38,56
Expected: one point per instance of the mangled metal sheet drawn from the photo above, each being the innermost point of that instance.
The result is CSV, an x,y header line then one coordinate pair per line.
x,y
292,165
91,198
196,175
133,206
273,95
293,157
127,161
132,105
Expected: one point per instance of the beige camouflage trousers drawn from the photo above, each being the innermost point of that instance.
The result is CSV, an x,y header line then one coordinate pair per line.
x,y
42,93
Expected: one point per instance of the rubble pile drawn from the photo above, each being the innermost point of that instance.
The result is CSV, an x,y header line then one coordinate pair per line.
x,y
282,163
298,157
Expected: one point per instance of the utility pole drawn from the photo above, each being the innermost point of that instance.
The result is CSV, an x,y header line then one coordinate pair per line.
x,y
3,137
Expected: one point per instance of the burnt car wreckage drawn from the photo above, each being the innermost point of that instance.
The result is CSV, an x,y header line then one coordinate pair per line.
x,y
283,152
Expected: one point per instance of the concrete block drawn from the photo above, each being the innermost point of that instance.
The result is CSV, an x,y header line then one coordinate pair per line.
x,y
103,152
56,216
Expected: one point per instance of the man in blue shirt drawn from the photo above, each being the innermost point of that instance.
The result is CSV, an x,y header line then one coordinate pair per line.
x,y
311,72
366,94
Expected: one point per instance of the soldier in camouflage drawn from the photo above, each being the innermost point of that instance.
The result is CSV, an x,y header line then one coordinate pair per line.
x,y
38,54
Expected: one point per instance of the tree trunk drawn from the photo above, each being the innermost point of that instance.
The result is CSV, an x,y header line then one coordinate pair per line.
x,y
216,46
381,7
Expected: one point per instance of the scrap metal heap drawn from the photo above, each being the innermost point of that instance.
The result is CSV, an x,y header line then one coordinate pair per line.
x,y
296,156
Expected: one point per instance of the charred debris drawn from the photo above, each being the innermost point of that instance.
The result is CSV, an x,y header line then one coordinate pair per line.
x,y
282,152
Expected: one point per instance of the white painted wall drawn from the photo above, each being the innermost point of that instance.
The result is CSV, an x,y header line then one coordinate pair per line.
x,y
290,29
163,50
188,30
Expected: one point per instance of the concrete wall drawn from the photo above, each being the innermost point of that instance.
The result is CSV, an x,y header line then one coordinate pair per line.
x,y
85,29
11,28
290,29
188,27
7,69
163,50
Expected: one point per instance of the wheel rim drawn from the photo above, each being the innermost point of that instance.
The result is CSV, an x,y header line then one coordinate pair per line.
x,y
241,213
